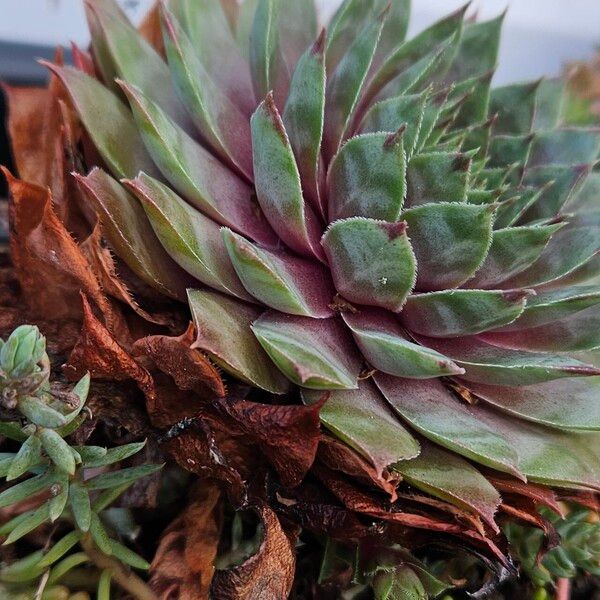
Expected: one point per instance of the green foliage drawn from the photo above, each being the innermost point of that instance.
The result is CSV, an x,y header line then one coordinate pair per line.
x,y
46,465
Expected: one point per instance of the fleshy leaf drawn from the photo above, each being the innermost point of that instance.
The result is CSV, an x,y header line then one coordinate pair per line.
x,y
457,313
507,150
398,582
316,354
224,334
192,240
432,410
303,118
367,178
346,83
130,234
194,172
450,241
363,420
282,281
371,261
564,403
568,146
513,250
549,104
220,121
437,177
387,348
515,106
115,135
486,363
278,184
451,478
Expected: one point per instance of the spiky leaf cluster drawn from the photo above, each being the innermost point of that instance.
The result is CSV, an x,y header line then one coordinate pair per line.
x,y
362,215
46,465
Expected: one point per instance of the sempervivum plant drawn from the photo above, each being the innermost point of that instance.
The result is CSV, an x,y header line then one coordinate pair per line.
x,y
363,218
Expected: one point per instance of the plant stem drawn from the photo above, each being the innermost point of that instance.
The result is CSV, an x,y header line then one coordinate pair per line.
x,y
563,589
121,575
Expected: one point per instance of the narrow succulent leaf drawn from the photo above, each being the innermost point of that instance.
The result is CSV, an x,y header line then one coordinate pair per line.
x,y
109,496
130,234
192,240
585,198
304,120
574,333
223,326
346,83
451,478
316,354
127,556
458,313
38,412
507,150
433,411
60,496
194,172
511,209
278,185
104,585
267,64
561,184
114,455
434,109
394,29
399,583
513,250
58,550
391,114
568,249
371,261
553,305
80,505
90,453
515,106
30,521
115,136
211,37
58,450
100,535
29,454
549,104
437,177
298,25
486,363
450,242
564,403
281,281
367,178
475,107
12,431
566,146
25,489
362,419
222,124
420,48
117,478
137,62
67,564
386,347
245,20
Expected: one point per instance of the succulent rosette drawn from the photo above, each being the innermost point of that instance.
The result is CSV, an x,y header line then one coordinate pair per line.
x,y
365,218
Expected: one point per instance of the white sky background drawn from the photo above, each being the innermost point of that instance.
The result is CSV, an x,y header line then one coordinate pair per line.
x,y
539,35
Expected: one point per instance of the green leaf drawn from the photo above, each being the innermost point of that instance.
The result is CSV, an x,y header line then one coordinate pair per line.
x,y
513,250
371,261
58,450
367,178
128,230
22,570
278,185
450,242
100,535
282,281
104,581
401,583
432,410
25,489
127,556
385,346
39,413
313,353
66,565
115,135
29,454
507,150
303,118
449,477
224,334
363,420
567,146
191,239
60,496
80,505
515,106
31,520
58,550
105,499
114,455
12,431
437,177
90,453
549,104
346,83
118,478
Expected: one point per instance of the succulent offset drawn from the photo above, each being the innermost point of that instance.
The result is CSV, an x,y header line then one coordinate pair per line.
x,y
366,219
